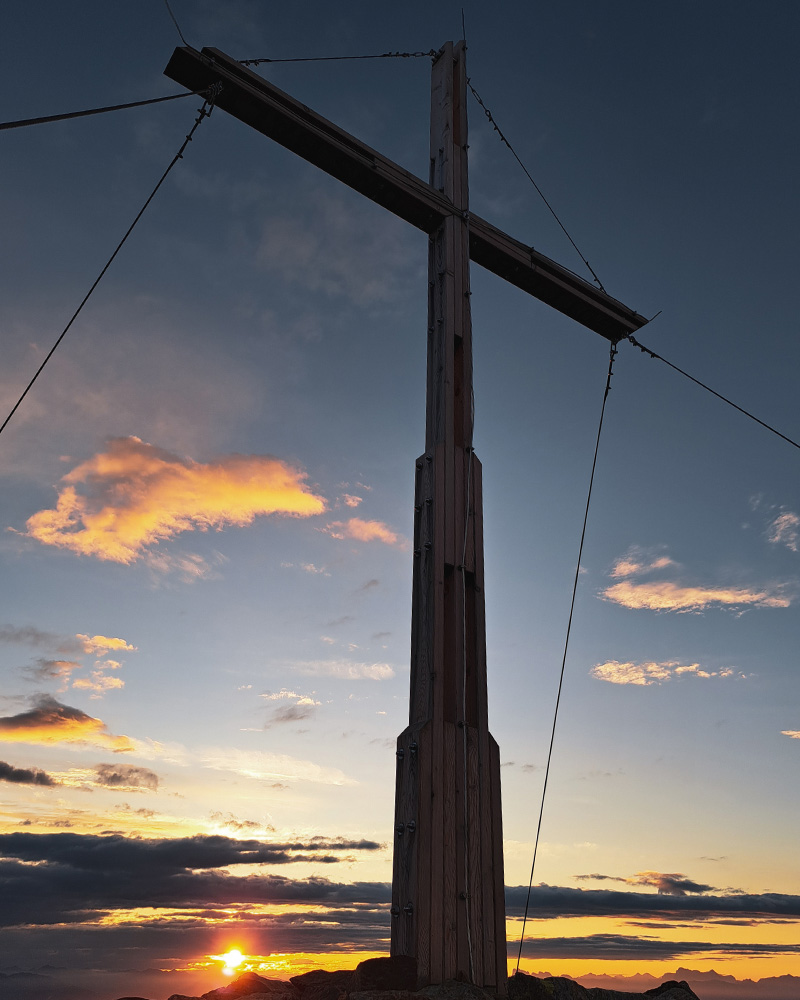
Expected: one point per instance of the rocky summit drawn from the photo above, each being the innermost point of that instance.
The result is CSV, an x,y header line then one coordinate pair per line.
x,y
395,978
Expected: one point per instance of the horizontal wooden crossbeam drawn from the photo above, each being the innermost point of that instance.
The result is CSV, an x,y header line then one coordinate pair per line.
x,y
256,102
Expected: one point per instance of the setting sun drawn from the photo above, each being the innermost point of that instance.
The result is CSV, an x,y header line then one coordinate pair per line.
x,y
232,959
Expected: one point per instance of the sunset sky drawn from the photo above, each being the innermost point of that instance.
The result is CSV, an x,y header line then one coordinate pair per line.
x,y
208,495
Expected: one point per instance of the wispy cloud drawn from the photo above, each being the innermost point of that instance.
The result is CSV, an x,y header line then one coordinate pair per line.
x,y
649,672
126,777
271,767
49,722
667,596
785,530
365,531
639,589
306,568
136,495
56,670
290,713
285,695
638,560
793,734
345,669
98,683
51,669
338,252
28,635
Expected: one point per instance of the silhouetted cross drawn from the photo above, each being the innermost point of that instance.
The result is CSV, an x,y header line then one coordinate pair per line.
x,y
448,908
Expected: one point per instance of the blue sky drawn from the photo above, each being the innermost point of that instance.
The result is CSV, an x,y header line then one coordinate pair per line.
x,y
266,325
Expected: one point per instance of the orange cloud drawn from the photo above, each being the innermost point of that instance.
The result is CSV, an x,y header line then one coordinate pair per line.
x,y
793,734
785,530
645,674
638,560
51,722
102,644
98,682
667,596
136,495
365,531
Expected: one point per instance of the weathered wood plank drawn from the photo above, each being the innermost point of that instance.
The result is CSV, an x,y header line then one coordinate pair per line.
x,y
421,917
498,876
451,853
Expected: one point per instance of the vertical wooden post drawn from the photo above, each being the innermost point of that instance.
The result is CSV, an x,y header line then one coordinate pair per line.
x,y
448,906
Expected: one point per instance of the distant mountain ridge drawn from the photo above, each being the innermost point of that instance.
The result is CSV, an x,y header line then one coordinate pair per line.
x,y
709,985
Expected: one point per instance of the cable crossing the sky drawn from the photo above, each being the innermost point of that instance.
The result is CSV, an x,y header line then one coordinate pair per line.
x,y
202,113
741,409
612,354
528,174
380,55
24,122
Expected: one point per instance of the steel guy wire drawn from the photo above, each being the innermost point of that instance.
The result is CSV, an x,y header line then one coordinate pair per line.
x,y
612,355
23,122
175,22
528,174
741,409
201,114
381,55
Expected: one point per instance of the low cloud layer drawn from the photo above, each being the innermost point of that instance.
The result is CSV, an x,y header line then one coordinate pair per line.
x,y
50,878
49,722
550,901
648,673
68,879
644,949
132,496
667,884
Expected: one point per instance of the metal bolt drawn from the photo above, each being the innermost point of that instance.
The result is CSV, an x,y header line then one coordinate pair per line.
x,y
408,909
413,748
395,911
399,828
401,753
411,826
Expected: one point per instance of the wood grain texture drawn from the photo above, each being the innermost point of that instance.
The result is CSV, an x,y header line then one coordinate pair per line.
x,y
449,873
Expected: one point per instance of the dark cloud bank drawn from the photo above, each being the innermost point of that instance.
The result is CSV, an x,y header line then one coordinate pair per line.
x,y
24,775
56,888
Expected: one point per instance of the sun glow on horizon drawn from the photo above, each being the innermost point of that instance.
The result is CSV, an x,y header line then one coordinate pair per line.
x,y
231,961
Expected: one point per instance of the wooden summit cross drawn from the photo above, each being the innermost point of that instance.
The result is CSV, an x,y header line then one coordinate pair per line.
x,y
448,907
